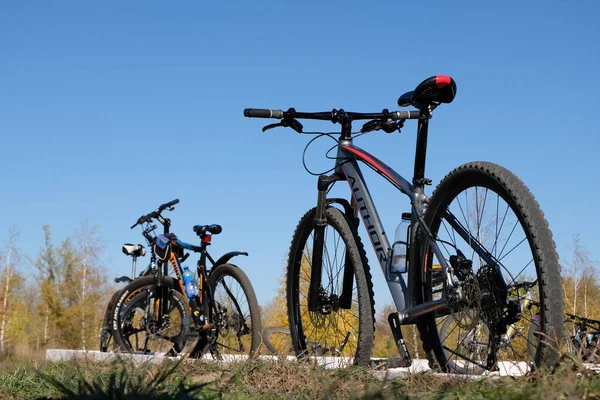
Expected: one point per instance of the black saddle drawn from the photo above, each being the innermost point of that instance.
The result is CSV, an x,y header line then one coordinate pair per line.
x,y
134,250
434,90
213,229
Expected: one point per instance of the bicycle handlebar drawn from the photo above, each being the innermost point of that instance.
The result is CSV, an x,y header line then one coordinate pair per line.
x,y
155,214
333,116
167,205
582,319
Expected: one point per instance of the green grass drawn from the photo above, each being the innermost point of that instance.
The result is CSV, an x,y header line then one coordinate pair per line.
x,y
122,379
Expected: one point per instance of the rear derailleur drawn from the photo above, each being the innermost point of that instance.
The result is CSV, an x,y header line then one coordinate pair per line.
x,y
487,294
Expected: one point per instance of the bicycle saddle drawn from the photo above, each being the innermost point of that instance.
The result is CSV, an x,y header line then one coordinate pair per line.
x,y
134,250
213,229
437,89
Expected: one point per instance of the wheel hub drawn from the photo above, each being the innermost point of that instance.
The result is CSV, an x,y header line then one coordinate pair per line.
x,y
328,303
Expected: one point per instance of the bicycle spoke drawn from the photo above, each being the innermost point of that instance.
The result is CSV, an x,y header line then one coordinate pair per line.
x,y
448,232
494,248
511,250
507,240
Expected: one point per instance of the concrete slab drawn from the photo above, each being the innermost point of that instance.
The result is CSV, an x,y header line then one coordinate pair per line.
x,y
418,366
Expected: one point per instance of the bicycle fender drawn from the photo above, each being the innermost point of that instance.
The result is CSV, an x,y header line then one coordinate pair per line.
x,y
228,256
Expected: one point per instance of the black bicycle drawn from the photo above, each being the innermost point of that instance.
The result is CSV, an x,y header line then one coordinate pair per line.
x,y
582,339
482,225
156,315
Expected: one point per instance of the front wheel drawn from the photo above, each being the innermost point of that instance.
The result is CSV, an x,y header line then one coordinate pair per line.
x,y
343,327
234,313
486,215
147,319
155,324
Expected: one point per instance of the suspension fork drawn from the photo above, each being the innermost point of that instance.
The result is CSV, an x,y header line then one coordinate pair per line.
x,y
162,299
320,222
348,281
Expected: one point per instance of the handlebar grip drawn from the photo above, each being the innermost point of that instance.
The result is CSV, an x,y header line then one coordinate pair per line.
x,y
140,221
262,113
169,204
405,115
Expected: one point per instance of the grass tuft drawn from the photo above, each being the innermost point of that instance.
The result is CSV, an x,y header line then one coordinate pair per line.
x,y
276,379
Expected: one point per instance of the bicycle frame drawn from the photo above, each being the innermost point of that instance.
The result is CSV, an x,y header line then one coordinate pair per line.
x,y
406,299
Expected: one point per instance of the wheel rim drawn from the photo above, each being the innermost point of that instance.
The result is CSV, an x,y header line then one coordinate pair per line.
x,y
490,217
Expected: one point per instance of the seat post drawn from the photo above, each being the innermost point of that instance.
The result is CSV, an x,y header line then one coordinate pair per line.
x,y
421,150
133,265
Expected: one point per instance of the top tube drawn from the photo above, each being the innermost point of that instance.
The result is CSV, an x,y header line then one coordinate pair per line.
x,y
188,246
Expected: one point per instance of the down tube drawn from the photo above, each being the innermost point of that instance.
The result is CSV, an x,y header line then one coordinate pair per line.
x,y
375,231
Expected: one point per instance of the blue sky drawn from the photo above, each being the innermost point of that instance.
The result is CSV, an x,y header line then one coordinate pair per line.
x,y
108,109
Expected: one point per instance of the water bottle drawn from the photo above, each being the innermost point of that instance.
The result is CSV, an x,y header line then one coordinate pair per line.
x,y
400,246
191,289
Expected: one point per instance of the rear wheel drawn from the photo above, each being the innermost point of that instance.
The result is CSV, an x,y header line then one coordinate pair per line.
x,y
276,340
501,216
341,332
107,341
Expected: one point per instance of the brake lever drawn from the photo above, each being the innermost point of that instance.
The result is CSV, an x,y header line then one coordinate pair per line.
x,y
271,126
286,123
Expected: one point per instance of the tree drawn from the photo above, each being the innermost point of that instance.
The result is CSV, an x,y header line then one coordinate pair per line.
x,y
580,282
88,290
48,305
9,276
71,289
